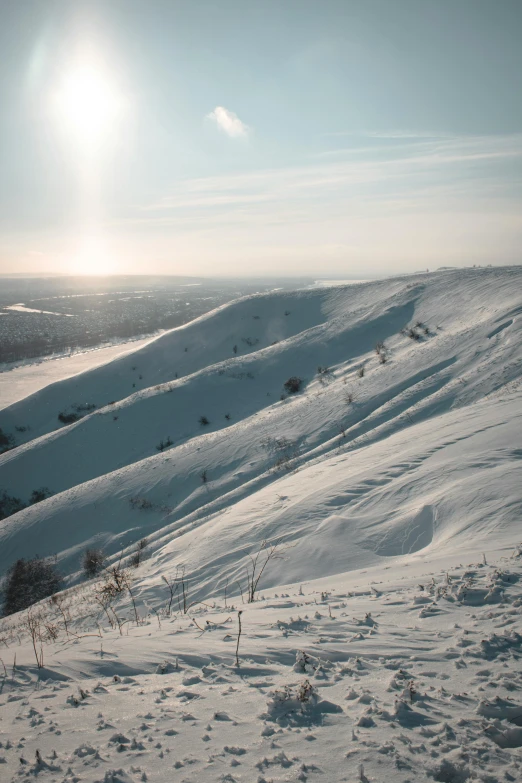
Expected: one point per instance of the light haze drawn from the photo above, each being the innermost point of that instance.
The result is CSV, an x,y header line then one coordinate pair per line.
x,y
339,138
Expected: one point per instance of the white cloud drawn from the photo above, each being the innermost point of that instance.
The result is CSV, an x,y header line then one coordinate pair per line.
x,y
229,122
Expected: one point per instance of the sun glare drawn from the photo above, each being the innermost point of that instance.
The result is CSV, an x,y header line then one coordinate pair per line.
x,y
92,258
87,102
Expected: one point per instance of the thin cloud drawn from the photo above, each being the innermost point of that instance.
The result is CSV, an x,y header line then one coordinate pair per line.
x,y
432,165
228,122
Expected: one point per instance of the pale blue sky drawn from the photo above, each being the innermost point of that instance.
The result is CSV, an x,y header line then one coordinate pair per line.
x,y
319,137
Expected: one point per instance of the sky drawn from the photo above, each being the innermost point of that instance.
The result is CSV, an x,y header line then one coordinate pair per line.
x,y
233,137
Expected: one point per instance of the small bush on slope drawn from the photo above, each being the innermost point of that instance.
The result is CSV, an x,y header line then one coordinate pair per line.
x,y
27,582
93,560
68,418
6,441
138,554
293,384
9,505
37,495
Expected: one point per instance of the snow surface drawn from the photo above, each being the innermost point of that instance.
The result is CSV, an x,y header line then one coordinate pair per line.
x,y
384,642
25,378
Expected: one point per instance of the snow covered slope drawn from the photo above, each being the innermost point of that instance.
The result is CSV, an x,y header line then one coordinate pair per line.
x,y
469,348
385,641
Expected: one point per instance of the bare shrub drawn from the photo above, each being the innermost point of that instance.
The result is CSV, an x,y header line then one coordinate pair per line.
x,y
412,334
277,444
293,384
93,560
114,582
325,375
37,495
33,624
68,418
9,505
29,581
164,444
6,441
204,421
285,450
138,554
141,503
382,352
360,371
258,564
172,590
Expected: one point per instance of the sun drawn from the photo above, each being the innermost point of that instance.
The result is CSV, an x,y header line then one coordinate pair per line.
x,y
87,102
92,258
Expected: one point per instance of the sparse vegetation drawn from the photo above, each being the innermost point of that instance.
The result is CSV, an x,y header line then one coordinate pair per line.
x,y
360,371
204,421
6,441
9,505
382,352
285,450
84,407
258,564
142,504
29,581
68,418
293,384
164,444
325,375
412,333
37,495
138,554
92,562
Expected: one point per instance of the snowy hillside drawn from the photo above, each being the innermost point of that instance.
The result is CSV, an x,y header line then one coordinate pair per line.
x,y
390,482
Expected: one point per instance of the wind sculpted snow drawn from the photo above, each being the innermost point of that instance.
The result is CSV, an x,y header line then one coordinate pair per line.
x,y
383,639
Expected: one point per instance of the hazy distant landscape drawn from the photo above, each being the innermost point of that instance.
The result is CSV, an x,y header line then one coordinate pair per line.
x,y
40,316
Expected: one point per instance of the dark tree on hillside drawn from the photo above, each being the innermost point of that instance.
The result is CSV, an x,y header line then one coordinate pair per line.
x,y
37,495
28,581
6,441
9,505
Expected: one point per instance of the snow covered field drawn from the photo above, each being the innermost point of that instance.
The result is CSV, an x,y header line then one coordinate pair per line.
x,y
384,642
